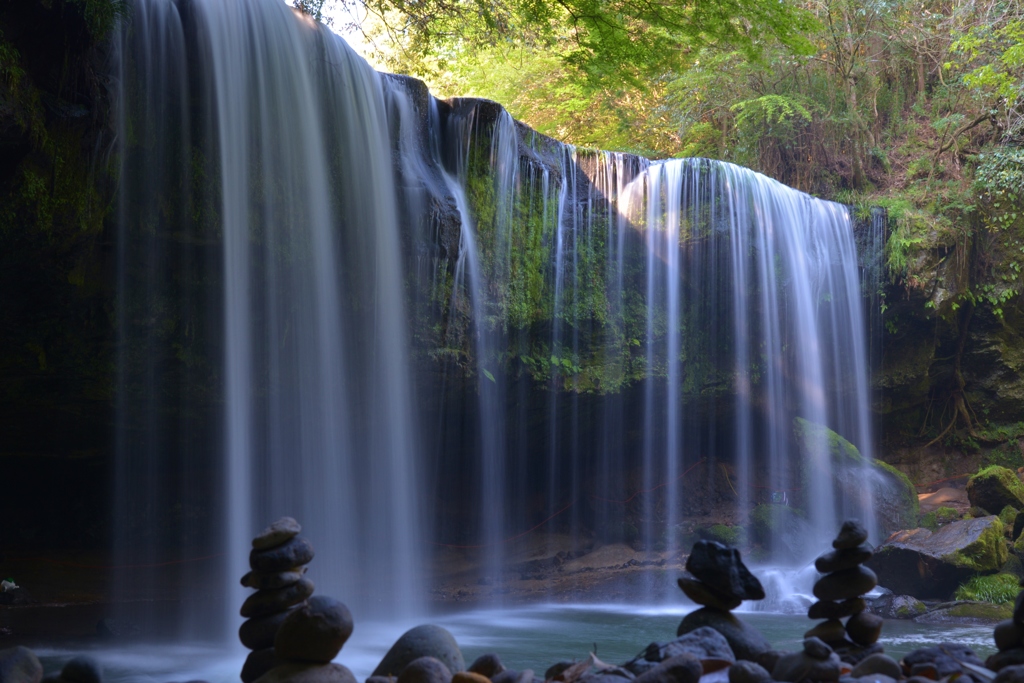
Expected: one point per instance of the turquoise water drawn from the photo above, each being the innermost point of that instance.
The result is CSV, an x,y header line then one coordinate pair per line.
x,y
525,638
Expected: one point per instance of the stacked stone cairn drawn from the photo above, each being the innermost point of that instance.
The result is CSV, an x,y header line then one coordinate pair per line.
x,y
840,595
1009,636
718,580
293,636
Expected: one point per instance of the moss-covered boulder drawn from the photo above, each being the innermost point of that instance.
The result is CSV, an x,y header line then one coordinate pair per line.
x,y
940,517
994,488
928,564
893,497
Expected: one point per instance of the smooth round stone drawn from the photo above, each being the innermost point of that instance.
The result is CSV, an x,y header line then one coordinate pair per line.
x,y
314,631
487,665
849,583
427,640
261,581
265,603
706,596
512,676
308,673
848,558
277,533
20,665
864,628
798,666
1001,660
829,631
259,633
744,640
82,669
825,609
877,664
1010,674
555,669
425,670
1008,635
684,668
815,648
873,678
748,672
294,553
851,535
469,677
258,663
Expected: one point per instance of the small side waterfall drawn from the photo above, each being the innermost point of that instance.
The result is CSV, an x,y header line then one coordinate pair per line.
x,y
432,334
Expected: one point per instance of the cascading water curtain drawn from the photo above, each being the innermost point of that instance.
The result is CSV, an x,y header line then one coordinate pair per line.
x,y
746,274
264,367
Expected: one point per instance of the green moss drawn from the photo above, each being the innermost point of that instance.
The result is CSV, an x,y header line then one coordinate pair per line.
x,y
940,517
1007,515
813,435
767,520
723,533
982,611
992,485
986,554
997,588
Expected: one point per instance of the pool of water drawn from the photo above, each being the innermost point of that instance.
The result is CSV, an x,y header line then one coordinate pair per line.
x,y
525,637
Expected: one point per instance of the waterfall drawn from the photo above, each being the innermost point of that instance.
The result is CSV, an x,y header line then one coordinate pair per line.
x,y
258,144
435,336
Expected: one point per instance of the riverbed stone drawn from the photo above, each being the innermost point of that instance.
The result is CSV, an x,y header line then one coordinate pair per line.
x,y
512,676
721,568
877,663
848,558
816,648
469,677
277,534
745,641
82,669
267,602
258,663
829,631
425,670
945,657
428,640
1008,634
928,564
314,631
683,668
798,666
1010,674
748,672
827,609
488,665
892,606
851,535
293,553
258,633
1001,660
704,642
308,673
20,665
845,584
706,596
864,628
261,580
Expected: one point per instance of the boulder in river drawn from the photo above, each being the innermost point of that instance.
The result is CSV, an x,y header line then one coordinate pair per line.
x,y
928,564
427,640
